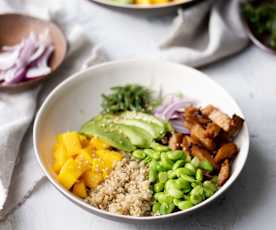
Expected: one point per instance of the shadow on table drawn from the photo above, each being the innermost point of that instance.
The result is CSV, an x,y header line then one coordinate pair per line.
x,y
240,200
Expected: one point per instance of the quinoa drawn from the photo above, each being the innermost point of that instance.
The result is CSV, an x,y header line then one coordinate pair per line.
x,y
126,191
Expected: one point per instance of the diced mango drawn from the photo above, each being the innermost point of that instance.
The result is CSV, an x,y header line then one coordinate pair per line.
x,y
143,2
60,157
109,157
159,1
71,142
69,173
84,160
98,143
84,141
92,179
79,189
97,165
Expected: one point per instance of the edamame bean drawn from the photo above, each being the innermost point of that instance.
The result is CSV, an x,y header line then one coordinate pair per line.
x,y
159,147
195,162
188,157
163,177
158,187
175,155
149,152
162,197
172,174
199,175
174,192
160,168
147,159
197,194
184,171
139,154
152,154
166,208
209,188
206,165
156,208
156,155
183,205
176,201
215,179
153,165
187,178
183,185
190,167
167,164
195,183
195,199
152,175
178,164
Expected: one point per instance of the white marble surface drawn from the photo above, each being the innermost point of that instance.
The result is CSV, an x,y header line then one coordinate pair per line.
x,y
250,204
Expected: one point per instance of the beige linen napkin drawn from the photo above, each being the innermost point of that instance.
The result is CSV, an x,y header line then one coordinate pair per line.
x,y
16,113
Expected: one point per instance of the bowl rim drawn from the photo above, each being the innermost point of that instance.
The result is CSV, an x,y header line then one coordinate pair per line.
x,y
251,35
80,202
146,7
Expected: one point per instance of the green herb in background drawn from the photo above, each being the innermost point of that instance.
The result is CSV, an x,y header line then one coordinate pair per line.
x,y
262,19
129,98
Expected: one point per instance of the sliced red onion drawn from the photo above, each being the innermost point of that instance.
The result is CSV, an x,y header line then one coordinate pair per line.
x,y
8,58
178,126
40,67
26,60
14,75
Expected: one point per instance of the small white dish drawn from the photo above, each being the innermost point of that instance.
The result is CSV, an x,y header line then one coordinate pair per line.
x,y
78,98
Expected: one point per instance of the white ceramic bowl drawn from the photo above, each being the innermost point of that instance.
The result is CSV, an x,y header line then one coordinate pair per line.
x,y
78,98
111,3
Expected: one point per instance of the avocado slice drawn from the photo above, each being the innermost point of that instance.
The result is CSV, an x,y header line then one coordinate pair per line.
x,y
102,127
159,127
137,136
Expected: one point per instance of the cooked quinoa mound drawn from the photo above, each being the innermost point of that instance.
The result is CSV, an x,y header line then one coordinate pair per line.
x,y
126,191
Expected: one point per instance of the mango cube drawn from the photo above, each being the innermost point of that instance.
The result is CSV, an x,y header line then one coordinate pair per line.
x,y
69,173
71,141
79,189
92,179
60,157
98,143
109,157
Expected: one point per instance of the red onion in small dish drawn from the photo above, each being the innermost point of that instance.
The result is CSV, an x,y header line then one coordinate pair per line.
x,y
26,60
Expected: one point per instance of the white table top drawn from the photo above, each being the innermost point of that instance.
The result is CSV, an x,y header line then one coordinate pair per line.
x,y
250,203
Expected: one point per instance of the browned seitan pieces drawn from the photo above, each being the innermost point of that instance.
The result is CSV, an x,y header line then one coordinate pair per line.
x,y
202,154
226,151
224,172
175,141
218,117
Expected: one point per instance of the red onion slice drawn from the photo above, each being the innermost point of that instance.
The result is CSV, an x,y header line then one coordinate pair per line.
x,y
41,68
178,126
26,60
14,75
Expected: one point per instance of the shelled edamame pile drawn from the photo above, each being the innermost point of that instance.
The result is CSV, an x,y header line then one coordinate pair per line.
x,y
145,155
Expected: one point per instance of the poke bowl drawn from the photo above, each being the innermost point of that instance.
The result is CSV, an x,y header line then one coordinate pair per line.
x,y
140,140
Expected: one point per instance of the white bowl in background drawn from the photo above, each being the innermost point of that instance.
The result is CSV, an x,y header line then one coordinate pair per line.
x,y
78,98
